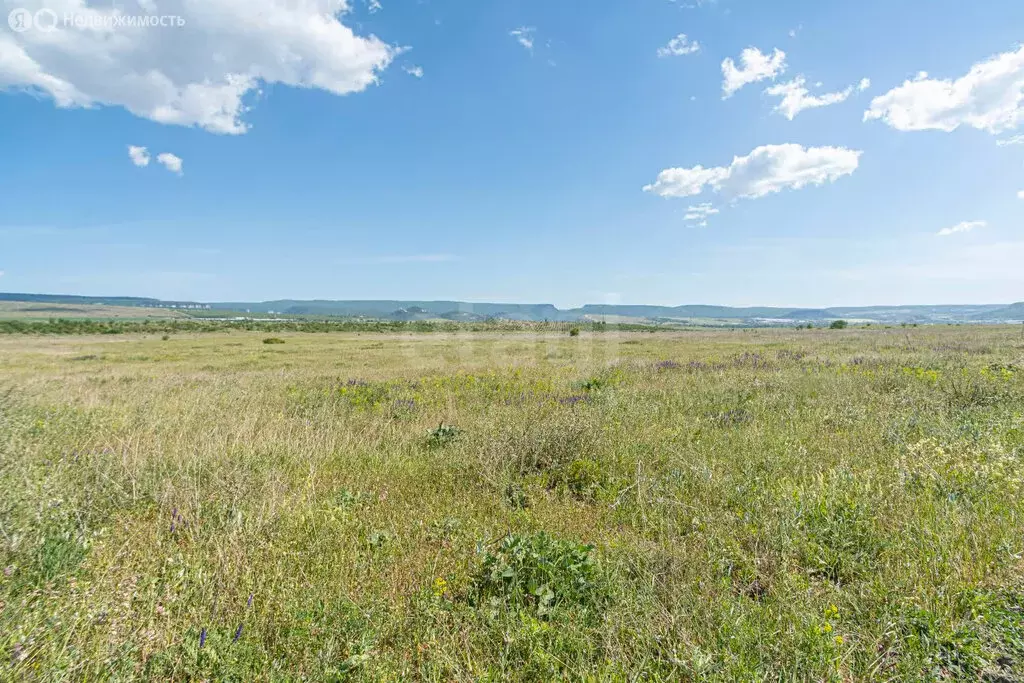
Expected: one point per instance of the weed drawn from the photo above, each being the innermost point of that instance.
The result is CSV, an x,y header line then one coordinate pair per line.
x,y
442,435
539,574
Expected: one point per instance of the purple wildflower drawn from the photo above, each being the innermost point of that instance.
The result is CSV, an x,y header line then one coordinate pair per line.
x,y
238,634
202,638
666,365
248,602
573,400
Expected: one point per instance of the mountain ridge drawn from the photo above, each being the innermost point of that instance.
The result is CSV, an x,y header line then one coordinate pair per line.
x,y
401,309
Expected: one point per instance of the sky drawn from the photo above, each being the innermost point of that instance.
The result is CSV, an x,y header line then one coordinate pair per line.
x,y
667,152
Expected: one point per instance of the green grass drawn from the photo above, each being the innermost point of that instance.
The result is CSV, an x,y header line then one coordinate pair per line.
x,y
496,505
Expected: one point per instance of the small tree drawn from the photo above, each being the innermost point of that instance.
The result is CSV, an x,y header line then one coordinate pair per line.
x,y
838,325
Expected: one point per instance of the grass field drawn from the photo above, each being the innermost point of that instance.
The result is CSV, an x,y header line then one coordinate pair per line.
x,y
35,310
706,505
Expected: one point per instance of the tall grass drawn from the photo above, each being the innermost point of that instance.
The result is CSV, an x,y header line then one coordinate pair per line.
x,y
812,505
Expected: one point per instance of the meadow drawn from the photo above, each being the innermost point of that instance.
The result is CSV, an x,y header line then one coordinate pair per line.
x,y
37,311
827,505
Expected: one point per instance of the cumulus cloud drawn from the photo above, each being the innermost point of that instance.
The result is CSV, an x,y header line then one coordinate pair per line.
x,y
796,97
524,36
138,155
766,170
679,46
171,162
1015,140
965,226
756,66
698,215
200,67
416,71
990,97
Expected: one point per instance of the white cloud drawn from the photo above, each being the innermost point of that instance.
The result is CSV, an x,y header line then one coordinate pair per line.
x,y
990,97
416,71
1020,194
196,74
374,6
171,162
1,273
1015,140
965,226
767,169
524,36
698,215
756,67
138,155
796,97
678,46
864,84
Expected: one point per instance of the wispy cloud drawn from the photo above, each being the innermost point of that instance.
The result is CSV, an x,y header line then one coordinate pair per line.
x,y
795,96
965,226
416,71
698,215
679,46
524,36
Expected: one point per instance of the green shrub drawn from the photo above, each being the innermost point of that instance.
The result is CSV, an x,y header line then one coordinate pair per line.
x,y
840,543
584,478
273,340
838,325
442,435
538,574
574,332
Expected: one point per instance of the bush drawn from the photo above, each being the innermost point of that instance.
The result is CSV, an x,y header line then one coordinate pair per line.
x,y
574,332
538,574
273,340
838,325
442,435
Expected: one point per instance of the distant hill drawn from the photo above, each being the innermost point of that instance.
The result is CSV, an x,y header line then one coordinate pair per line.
x,y
693,314
1013,312
810,314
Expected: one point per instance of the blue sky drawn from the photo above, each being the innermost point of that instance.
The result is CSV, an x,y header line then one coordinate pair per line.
x,y
513,167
